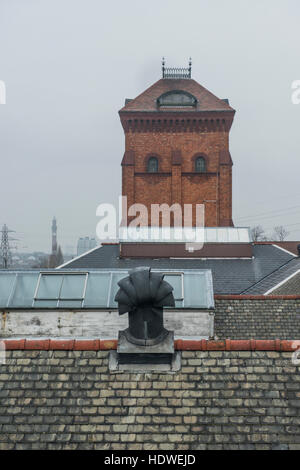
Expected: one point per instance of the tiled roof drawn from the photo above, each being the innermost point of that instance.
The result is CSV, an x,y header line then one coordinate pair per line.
x,y
275,278
230,276
146,101
292,285
69,400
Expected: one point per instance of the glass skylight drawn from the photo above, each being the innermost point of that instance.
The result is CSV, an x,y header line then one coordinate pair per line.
x,y
94,289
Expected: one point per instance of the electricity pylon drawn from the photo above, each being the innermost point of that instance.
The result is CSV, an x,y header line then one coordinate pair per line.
x,y
5,253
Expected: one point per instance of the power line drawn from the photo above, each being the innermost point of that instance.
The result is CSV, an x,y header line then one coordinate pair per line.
x,y
286,226
263,214
290,196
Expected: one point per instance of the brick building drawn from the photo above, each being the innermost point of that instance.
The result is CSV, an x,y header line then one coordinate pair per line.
x,y
177,148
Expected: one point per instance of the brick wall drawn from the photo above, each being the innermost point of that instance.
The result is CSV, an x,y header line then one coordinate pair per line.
x,y
176,181
260,318
219,400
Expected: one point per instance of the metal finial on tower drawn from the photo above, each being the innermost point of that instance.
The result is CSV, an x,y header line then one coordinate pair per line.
x,y
190,67
163,67
177,72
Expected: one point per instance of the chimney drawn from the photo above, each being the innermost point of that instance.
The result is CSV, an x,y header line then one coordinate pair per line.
x,y
146,345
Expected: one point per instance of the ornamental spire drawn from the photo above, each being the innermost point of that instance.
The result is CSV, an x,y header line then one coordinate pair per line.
x,y
176,72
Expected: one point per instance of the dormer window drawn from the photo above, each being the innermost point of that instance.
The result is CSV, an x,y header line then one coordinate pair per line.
x,y
177,98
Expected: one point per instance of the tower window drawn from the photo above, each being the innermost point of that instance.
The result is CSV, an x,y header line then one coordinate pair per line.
x,y
152,166
177,98
200,165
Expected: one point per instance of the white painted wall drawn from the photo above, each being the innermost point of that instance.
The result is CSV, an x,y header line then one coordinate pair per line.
x,y
100,324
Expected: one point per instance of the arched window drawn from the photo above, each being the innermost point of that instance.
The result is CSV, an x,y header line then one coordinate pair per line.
x,y
177,98
152,165
200,165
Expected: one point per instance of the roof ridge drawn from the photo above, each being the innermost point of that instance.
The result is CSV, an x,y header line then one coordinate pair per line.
x,y
181,344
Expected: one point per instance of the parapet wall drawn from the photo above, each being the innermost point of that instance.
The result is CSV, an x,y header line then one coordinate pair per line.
x,y
68,399
235,317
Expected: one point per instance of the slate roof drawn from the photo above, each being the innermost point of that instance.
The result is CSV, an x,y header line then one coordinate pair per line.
x,y
146,101
274,278
230,276
290,287
291,246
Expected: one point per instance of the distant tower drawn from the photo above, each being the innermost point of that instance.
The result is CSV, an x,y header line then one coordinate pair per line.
x,y
54,236
4,247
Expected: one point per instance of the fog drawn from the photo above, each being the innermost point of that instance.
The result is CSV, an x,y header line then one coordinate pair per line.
x,y
68,66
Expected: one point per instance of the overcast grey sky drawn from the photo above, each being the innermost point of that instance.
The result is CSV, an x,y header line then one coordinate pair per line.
x,y
68,65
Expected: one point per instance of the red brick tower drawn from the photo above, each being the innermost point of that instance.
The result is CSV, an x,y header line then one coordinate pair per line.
x,y
177,147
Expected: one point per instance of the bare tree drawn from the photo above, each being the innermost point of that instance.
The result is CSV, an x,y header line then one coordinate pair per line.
x,y
258,234
41,263
280,233
59,257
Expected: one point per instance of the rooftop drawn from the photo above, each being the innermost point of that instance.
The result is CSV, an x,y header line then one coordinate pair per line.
x,y
205,100
230,276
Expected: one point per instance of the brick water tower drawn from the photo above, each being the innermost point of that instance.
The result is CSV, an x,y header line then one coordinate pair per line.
x,y
177,147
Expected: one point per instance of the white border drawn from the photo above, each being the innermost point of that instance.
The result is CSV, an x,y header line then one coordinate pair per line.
x,y
79,256
283,249
282,282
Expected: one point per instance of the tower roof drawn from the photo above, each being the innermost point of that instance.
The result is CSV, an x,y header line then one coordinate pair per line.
x,y
205,100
